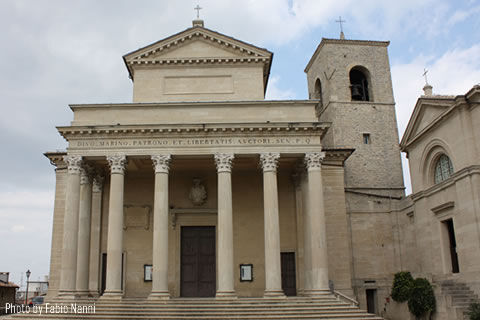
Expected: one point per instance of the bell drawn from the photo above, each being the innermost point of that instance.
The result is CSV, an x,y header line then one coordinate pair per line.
x,y
357,92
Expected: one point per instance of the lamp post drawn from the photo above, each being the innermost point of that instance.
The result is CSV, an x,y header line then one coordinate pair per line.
x,y
26,293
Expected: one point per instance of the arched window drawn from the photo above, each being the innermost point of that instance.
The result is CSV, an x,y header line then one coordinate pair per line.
x,y
317,91
359,84
443,168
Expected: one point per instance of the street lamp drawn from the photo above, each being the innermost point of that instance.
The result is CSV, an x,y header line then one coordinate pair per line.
x,y
28,276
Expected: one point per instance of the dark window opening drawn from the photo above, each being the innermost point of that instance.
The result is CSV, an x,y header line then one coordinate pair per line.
x,y
289,282
371,300
366,138
453,245
317,93
359,85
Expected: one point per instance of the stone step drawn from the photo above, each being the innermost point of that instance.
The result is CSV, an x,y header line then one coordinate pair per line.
x,y
326,307
200,317
221,306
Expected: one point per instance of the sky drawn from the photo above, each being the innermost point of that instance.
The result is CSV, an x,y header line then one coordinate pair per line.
x,y
54,53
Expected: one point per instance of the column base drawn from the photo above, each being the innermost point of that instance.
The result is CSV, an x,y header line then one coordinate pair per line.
x,y
67,294
274,294
81,293
112,295
226,295
159,295
316,293
93,294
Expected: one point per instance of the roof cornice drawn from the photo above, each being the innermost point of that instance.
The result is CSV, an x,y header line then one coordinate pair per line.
x,y
343,42
141,130
249,53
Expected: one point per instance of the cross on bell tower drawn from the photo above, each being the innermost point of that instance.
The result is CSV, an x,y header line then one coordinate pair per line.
x,y
340,21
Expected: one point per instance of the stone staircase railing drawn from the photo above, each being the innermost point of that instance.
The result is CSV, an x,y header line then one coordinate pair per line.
x,y
458,297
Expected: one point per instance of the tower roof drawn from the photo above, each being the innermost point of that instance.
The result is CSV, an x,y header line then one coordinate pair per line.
x,y
344,42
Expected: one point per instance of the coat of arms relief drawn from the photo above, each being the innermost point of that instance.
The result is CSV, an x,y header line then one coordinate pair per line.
x,y
198,192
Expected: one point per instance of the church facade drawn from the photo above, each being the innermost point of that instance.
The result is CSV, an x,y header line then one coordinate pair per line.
x,y
202,188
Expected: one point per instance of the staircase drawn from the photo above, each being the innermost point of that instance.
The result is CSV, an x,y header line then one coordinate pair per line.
x,y
459,296
327,307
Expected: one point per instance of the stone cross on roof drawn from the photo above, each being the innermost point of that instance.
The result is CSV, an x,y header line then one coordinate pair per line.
x,y
340,21
425,71
198,11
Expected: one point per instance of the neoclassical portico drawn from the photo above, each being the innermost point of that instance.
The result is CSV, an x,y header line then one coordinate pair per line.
x,y
192,182
82,209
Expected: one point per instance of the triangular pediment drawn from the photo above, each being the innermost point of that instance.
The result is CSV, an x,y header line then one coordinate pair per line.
x,y
427,111
198,49
200,44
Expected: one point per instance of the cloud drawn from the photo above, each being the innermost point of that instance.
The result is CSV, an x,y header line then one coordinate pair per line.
x,y
18,228
453,73
276,93
461,15
26,216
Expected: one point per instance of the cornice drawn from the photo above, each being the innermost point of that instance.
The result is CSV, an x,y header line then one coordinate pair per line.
x,y
451,103
336,157
456,176
56,158
344,42
249,53
239,103
197,33
167,129
189,61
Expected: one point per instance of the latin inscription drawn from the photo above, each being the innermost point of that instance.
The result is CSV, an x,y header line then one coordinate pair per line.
x,y
192,142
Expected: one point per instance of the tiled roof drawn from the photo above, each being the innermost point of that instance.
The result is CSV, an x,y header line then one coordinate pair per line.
x,y
8,285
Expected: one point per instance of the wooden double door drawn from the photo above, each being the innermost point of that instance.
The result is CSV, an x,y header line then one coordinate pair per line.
x,y
197,274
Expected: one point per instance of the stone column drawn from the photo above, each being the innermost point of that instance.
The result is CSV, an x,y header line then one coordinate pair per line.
x,y
316,255
273,272
84,230
225,276
161,164
70,226
115,227
94,271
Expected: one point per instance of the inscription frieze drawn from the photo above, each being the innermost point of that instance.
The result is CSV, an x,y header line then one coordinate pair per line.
x,y
192,142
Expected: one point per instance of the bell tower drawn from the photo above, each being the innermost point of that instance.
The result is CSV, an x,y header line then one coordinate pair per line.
x,y
352,81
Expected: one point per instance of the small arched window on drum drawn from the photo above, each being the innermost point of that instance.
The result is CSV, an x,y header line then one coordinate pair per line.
x,y
317,93
443,168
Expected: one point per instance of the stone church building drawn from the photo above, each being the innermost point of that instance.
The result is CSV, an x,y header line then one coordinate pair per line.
x,y
202,188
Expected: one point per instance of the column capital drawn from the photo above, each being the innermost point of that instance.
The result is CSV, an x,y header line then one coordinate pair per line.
x,y
74,163
313,160
117,163
98,182
161,162
224,161
86,174
269,161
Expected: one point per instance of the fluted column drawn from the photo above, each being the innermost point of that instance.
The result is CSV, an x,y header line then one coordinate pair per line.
x,y
316,255
115,227
84,230
225,278
70,226
273,272
161,164
94,270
